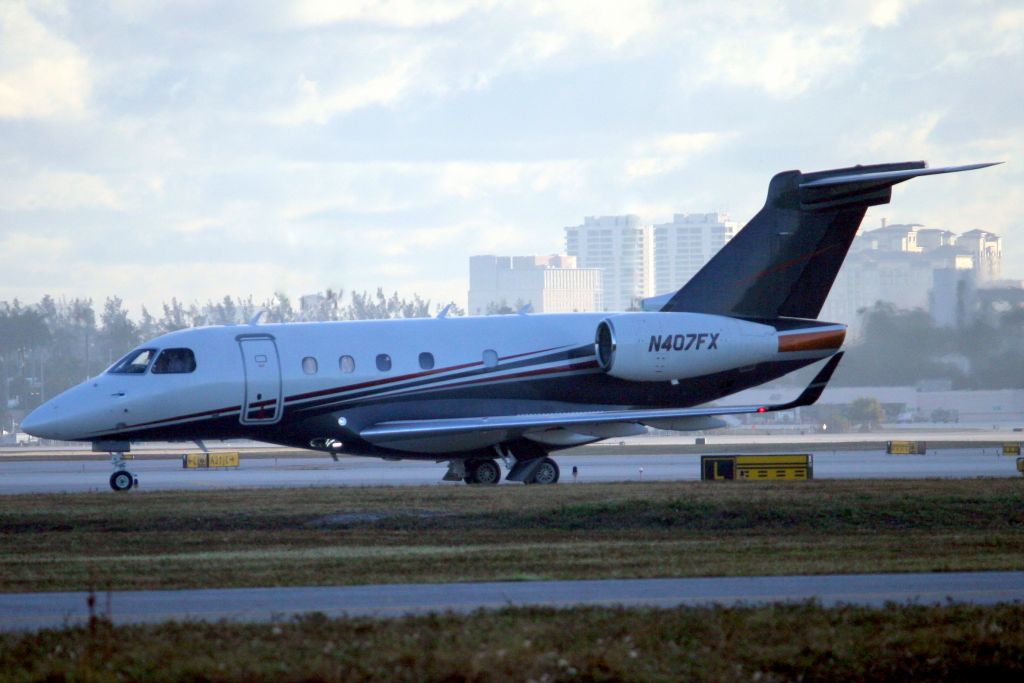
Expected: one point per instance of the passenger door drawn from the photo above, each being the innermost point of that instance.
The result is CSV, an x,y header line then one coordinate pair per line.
x,y
262,404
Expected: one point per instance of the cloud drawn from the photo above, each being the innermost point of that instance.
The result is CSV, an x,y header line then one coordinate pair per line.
x,y
199,224
911,137
477,179
399,13
888,13
31,263
782,63
613,22
58,190
303,146
41,74
670,152
384,88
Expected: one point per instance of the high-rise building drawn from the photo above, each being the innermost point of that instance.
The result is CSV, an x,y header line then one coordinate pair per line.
x,y
623,248
987,250
549,284
914,267
682,247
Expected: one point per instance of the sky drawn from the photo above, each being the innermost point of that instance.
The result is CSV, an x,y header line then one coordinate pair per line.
x,y
199,149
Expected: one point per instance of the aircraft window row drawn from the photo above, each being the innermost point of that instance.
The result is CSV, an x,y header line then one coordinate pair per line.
x,y
347,364
168,362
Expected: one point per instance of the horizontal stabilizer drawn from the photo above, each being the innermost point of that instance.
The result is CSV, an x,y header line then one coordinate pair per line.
x,y
897,176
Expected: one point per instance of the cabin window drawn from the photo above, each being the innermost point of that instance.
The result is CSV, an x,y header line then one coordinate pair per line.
x,y
347,364
174,362
490,358
309,365
383,362
135,363
427,361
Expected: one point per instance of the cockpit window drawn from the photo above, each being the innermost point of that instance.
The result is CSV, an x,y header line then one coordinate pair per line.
x,y
174,361
135,363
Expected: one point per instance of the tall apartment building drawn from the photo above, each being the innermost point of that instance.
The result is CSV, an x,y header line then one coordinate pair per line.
x,y
682,247
549,284
623,248
987,250
914,267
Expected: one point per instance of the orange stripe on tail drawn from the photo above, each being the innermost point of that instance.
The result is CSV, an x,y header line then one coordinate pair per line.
x,y
812,341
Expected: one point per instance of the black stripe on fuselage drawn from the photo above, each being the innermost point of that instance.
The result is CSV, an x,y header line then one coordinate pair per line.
x,y
345,395
582,391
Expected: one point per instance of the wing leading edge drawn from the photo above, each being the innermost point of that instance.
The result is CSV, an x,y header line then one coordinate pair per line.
x,y
387,433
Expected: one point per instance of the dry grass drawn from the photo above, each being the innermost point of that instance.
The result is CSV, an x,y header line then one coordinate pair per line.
x,y
775,643
380,535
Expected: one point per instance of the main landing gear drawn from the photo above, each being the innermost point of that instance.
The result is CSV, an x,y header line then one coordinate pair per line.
x,y
538,469
484,472
121,479
547,472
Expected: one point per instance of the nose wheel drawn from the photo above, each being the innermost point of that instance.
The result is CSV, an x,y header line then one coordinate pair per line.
x,y
121,479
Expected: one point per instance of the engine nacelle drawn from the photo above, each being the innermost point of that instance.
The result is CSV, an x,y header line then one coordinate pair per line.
x,y
659,347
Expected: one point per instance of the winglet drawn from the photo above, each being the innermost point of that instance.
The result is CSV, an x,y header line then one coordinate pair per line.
x,y
813,391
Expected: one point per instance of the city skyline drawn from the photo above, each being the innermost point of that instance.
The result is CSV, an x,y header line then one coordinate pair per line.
x,y
193,151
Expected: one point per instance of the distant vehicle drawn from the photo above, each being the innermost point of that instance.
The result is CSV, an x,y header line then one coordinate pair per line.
x,y
945,415
473,391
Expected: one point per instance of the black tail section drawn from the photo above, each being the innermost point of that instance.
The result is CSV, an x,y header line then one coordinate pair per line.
x,y
784,261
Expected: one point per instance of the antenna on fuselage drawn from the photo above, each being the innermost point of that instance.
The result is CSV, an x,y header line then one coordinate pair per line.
x,y
526,309
255,320
445,311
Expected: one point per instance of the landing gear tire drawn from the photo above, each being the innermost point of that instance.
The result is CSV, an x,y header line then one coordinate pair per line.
x,y
122,480
546,473
485,472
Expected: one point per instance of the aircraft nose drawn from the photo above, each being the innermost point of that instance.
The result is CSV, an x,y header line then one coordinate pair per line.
x,y
43,422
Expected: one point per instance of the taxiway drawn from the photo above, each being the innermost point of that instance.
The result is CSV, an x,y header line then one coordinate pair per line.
x,y
91,473
32,611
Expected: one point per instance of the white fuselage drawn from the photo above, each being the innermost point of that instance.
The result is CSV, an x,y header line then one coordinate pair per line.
x,y
303,382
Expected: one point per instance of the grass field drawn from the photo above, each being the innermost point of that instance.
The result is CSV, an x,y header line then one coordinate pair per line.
x,y
331,536
779,643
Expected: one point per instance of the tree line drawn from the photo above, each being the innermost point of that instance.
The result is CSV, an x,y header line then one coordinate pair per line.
x,y
54,344
905,347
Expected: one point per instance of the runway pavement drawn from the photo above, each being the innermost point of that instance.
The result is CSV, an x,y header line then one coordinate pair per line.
x,y
91,473
32,611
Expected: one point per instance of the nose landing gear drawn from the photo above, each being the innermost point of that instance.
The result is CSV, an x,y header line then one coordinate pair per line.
x,y
121,479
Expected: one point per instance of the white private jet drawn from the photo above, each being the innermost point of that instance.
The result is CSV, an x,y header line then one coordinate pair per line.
x,y
473,391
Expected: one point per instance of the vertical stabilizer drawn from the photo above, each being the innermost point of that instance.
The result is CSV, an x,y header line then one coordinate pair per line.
x,y
784,261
